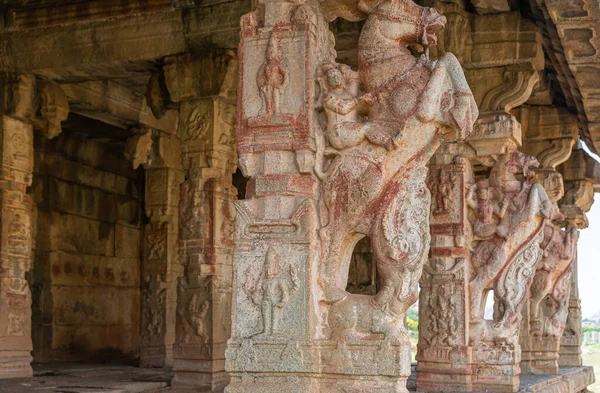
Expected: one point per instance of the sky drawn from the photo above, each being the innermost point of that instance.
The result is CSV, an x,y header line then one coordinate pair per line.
x,y
588,258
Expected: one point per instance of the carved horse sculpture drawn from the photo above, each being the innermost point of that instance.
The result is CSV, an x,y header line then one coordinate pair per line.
x,y
375,183
505,259
553,278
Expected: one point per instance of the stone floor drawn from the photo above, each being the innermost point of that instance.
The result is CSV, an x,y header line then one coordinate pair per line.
x,y
88,378
103,378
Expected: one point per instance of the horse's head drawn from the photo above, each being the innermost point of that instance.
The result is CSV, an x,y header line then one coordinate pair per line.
x,y
433,22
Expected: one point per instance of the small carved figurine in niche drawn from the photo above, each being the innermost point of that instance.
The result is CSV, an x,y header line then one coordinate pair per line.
x,y
443,192
487,213
272,77
272,292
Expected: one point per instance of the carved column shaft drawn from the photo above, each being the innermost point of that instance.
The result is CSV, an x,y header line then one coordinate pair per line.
x,y
571,341
581,173
160,266
207,127
25,103
444,297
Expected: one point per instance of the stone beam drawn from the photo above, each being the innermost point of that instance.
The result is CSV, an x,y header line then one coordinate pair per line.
x,y
123,40
115,104
571,40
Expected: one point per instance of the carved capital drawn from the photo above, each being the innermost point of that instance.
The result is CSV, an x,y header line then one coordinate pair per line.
x,y
182,82
495,134
54,108
138,148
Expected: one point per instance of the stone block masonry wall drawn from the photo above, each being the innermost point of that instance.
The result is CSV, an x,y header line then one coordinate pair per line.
x,y
86,271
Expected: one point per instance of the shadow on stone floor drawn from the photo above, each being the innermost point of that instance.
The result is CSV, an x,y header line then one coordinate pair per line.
x,y
88,378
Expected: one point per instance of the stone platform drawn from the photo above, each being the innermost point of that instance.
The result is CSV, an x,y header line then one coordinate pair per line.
x,y
569,380
88,378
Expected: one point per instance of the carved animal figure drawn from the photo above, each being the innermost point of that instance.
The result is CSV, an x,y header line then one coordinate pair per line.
x,y
375,185
508,246
553,278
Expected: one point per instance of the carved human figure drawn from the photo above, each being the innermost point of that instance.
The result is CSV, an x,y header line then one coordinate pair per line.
x,y
194,316
487,213
443,192
272,77
342,105
272,292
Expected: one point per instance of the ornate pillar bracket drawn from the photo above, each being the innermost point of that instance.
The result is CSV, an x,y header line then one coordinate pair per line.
x,y
25,104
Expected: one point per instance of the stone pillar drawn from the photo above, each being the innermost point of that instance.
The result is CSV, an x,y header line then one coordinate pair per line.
x,y
549,135
160,263
486,229
571,340
444,355
207,127
25,103
16,223
581,172
277,246
323,178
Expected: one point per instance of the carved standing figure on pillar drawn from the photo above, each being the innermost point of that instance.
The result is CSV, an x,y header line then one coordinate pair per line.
x,y
272,292
272,77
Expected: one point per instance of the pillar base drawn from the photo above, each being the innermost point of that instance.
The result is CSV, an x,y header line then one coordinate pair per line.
x,y
318,366
15,364
479,369
303,383
159,357
542,357
203,375
570,352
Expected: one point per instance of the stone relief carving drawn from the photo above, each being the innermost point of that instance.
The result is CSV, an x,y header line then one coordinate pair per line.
x,y
271,291
553,277
374,181
272,77
443,188
508,223
194,317
154,315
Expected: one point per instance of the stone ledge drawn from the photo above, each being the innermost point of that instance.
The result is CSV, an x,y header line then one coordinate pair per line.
x,y
569,379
